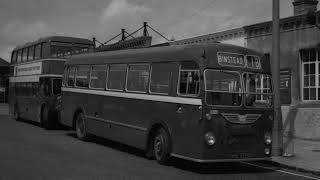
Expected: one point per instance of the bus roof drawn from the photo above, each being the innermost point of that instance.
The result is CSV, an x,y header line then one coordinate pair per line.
x,y
160,54
57,39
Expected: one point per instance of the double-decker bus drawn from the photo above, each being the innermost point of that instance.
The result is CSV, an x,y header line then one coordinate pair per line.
x,y
36,73
203,103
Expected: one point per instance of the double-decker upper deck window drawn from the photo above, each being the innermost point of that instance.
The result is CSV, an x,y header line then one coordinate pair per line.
x,y
189,82
160,77
117,76
24,54
19,58
14,57
37,51
30,53
82,77
98,77
71,74
138,78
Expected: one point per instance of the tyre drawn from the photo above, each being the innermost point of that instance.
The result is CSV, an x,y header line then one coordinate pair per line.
x,y
81,127
46,118
161,146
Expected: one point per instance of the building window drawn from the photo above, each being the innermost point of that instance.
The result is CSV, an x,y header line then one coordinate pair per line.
x,y
138,78
310,74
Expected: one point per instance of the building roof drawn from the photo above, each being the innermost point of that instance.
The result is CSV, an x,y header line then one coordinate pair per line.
x,y
4,63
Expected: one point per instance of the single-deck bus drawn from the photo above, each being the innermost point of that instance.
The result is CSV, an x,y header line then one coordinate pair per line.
x,y
36,73
204,103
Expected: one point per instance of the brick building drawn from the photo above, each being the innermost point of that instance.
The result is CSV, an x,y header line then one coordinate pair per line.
x,y
4,80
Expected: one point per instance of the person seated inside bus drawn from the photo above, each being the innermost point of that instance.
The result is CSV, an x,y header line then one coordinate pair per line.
x,y
250,98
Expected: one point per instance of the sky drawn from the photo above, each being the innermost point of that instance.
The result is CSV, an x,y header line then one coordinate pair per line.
x,y
27,20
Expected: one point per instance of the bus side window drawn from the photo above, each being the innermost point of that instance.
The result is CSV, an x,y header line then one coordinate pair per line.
x,y
160,78
98,77
71,74
117,76
138,78
189,82
82,77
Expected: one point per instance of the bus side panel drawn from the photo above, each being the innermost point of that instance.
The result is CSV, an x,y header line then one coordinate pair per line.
x,y
123,119
187,134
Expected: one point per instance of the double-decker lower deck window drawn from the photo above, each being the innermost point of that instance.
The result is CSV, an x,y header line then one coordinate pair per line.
x,y
189,82
117,76
82,77
71,74
222,88
98,77
138,78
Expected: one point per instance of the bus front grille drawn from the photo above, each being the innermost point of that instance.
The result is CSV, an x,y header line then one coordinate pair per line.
x,y
241,119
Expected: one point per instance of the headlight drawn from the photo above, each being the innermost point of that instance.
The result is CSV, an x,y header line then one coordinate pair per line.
x,y
267,138
210,139
267,151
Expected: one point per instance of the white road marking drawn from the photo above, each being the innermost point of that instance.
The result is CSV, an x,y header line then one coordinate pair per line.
x,y
286,172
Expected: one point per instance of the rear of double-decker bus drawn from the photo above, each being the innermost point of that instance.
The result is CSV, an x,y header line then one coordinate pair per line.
x,y
237,105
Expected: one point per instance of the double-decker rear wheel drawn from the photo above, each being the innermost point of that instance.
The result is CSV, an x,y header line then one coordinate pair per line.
x,y
81,128
161,146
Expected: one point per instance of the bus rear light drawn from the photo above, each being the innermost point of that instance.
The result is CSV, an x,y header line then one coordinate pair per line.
x,y
208,116
267,138
210,138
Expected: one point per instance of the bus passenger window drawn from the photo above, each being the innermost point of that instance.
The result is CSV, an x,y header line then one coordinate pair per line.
x,y
19,56
138,78
82,77
160,76
37,51
117,76
98,77
71,73
30,53
189,82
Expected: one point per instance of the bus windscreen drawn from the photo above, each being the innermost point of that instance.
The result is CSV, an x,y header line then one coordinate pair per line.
x,y
223,88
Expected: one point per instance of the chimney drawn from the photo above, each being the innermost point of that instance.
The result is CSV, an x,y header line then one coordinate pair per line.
x,y
301,7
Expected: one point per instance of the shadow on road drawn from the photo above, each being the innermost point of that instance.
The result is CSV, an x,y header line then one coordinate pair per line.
x,y
200,168
56,127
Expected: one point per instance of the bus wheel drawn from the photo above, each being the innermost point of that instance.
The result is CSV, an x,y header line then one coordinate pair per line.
x,y
81,128
161,146
46,119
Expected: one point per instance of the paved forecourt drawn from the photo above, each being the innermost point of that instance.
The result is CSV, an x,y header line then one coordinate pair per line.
x,y
30,152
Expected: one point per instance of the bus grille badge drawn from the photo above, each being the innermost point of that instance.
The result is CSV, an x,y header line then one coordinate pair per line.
x,y
242,118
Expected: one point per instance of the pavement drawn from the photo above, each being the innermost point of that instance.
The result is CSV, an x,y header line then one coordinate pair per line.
x,y
303,155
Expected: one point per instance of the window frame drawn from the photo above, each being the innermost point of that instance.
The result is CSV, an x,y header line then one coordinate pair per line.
x,y
317,74
107,73
126,85
74,76
241,91
88,79
107,80
178,86
169,82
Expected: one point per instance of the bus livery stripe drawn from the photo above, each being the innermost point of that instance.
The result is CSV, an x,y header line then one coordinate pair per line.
x,y
169,99
31,78
117,123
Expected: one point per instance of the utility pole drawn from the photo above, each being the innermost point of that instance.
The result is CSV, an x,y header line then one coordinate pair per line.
x,y
277,145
